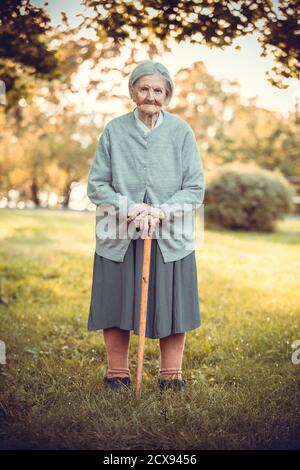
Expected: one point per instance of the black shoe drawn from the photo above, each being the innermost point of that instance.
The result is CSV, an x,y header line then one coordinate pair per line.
x,y
117,383
173,384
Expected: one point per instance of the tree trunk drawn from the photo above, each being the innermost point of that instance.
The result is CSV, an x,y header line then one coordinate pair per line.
x,y
66,195
34,192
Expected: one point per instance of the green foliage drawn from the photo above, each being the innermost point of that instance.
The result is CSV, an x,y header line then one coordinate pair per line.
x,y
211,23
229,131
25,51
247,197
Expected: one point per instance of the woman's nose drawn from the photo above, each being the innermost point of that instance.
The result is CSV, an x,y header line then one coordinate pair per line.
x,y
151,94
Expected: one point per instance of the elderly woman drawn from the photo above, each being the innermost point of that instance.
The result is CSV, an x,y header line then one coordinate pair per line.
x,y
146,170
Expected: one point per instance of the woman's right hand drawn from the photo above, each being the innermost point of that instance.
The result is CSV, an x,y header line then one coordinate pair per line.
x,y
145,218
147,224
136,210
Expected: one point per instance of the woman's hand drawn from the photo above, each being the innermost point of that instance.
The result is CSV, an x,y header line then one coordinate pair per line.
x,y
145,218
147,224
140,209
136,210
150,220
157,213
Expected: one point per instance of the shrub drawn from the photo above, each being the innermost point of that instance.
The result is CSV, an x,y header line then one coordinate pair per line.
x,y
247,197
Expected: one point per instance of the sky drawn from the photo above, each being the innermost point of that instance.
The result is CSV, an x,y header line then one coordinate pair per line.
x,y
243,65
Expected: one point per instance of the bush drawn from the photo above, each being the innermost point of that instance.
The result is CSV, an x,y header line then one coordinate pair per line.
x,y
247,197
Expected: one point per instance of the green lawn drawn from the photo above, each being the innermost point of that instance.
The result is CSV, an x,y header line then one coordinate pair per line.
x,y
243,389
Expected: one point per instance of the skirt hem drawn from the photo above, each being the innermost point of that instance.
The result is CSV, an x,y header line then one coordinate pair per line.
x,y
148,336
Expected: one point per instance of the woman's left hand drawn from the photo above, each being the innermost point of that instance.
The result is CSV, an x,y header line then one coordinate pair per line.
x,y
147,224
145,218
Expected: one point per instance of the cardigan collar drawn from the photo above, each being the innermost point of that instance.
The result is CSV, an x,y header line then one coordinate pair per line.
x,y
142,126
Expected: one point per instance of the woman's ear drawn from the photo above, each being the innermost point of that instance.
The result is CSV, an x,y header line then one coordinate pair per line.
x,y
132,94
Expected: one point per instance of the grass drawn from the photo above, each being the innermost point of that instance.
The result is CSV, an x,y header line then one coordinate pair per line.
x,y
243,389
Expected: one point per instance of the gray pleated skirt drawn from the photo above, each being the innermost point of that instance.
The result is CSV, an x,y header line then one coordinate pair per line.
x,y
173,300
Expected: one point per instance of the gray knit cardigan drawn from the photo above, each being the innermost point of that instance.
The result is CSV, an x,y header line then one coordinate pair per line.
x,y
165,165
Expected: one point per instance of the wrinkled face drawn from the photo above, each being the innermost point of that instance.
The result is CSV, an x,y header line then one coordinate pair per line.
x,y
149,93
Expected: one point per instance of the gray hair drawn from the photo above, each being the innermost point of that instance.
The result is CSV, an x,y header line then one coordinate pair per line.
x,y
148,67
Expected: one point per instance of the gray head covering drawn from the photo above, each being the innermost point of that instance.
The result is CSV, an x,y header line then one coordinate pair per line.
x,y
148,67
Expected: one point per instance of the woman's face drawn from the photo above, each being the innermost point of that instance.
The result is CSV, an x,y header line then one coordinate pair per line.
x,y
149,94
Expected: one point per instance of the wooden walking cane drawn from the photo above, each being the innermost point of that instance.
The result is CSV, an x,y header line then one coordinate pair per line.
x,y
143,313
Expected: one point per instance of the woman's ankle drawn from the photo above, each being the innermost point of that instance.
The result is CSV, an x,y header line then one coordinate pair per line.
x,y
170,374
117,372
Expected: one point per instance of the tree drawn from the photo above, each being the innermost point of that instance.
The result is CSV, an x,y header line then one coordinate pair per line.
x,y
229,131
212,23
25,52
48,155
